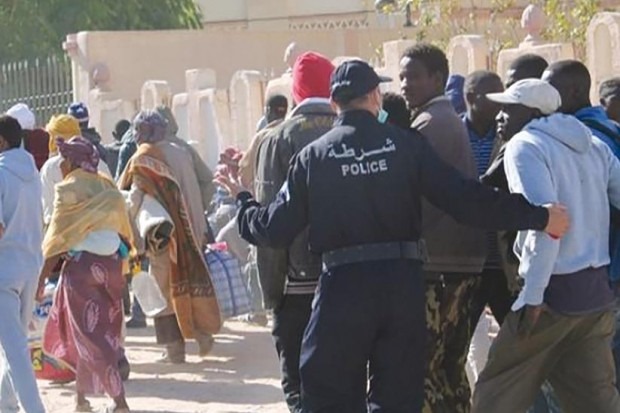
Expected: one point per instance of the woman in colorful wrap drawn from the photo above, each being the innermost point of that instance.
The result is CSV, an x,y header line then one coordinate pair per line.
x,y
90,229
164,170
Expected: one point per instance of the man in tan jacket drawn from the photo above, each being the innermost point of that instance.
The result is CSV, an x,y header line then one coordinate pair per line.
x,y
275,112
456,253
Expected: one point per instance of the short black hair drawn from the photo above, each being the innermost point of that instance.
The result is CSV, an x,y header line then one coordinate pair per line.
x,y
573,71
277,101
121,127
475,79
432,57
528,66
10,131
396,106
610,88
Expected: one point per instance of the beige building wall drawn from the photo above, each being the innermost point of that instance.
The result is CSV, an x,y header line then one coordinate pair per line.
x,y
217,11
132,58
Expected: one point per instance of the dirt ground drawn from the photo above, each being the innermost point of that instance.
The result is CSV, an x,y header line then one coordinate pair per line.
x,y
241,375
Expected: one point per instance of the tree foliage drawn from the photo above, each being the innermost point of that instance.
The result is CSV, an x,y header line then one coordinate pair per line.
x,y
436,21
31,28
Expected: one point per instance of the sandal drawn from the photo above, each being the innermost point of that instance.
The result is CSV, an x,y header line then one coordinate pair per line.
x,y
84,407
113,409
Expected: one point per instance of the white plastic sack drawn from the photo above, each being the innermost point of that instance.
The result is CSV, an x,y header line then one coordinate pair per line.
x,y
148,293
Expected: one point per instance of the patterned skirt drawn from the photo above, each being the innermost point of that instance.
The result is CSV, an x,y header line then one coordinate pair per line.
x,y
85,322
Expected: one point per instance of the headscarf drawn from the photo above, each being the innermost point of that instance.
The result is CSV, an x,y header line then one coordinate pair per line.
x,y
80,152
150,127
23,114
61,126
312,74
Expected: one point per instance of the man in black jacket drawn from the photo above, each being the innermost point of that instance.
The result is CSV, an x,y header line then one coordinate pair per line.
x,y
79,111
289,276
358,189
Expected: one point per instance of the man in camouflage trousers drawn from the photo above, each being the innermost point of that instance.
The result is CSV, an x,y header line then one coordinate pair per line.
x,y
448,306
456,253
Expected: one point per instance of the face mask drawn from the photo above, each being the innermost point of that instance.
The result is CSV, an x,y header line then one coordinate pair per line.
x,y
382,116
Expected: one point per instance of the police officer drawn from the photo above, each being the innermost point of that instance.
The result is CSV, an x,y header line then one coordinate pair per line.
x,y
359,188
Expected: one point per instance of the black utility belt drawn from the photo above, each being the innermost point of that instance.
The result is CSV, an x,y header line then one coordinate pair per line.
x,y
414,250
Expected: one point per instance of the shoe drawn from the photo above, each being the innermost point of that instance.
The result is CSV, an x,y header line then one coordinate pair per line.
x,y
205,344
259,319
124,368
135,323
165,358
174,353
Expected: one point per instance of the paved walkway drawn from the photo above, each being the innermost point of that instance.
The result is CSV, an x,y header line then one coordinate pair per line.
x,y
241,375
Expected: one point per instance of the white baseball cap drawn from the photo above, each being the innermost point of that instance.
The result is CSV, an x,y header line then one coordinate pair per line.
x,y
22,113
533,93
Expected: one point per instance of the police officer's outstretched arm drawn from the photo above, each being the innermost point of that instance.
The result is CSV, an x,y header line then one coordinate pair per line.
x,y
277,224
471,203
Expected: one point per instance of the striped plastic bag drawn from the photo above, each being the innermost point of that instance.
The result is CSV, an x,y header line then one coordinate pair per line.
x,y
231,292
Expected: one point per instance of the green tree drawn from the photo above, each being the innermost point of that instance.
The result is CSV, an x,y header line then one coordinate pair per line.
x,y
31,28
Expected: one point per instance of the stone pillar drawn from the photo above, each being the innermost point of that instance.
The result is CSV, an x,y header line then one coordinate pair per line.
x,y
603,49
533,21
392,53
213,121
338,60
106,110
199,121
75,47
181,112
282,85
468,53
155,93
246,104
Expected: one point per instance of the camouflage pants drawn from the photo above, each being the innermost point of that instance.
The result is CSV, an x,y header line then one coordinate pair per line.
x,y
449,305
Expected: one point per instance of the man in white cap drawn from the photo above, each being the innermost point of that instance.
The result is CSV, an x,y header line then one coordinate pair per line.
x,y
562,323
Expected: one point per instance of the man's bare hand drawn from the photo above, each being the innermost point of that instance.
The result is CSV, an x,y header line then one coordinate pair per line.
x,y
230,183
559,220
1,231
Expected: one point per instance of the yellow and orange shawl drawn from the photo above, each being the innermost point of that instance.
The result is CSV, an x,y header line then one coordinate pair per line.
x,y
193,296
85,202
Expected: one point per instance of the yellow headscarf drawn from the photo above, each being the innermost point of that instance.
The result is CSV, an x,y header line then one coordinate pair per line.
x,y
62,126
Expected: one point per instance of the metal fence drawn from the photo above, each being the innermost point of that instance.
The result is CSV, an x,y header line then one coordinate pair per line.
x,y
43,84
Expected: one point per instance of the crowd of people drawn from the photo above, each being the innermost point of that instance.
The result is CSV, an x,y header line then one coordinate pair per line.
x,y
329,201
378,233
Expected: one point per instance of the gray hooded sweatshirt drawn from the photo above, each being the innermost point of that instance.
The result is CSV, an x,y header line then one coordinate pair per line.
x,y
21,215
556,160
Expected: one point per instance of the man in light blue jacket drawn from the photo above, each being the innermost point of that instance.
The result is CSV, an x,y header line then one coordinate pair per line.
x,y
572,79
562,323
21,259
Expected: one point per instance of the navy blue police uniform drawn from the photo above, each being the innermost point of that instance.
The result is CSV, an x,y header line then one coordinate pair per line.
x,y
358,189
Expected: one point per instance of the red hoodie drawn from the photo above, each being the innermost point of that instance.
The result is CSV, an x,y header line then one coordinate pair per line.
x,y
36,142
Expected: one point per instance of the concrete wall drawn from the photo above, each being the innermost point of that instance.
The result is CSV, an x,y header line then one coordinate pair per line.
x,y
135,57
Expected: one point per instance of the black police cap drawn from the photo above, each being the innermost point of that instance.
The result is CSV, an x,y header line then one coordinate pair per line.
x,y
354,79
